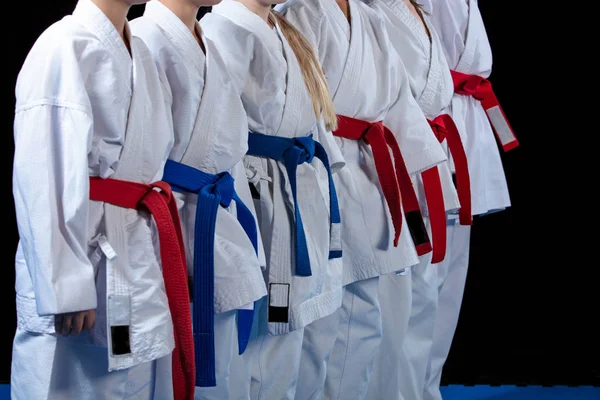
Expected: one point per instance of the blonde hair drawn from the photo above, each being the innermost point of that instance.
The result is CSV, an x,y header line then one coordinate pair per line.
x,y
422,14
417,5
313,75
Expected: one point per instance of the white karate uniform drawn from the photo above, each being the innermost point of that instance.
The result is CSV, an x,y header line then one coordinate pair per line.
x,y
352,53
431,85
465,43
278,104
211,135
85,107
463,38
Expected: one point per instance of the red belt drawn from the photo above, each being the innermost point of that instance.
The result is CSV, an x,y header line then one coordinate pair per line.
x,y
393,176
161,204
444,129
481,89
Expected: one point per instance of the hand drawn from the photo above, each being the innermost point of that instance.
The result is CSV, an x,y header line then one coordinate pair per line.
x,y
75,322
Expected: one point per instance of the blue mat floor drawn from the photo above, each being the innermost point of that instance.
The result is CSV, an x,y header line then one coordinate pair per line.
x,y
457,392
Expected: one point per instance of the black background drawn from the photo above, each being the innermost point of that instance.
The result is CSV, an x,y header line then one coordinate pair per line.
x,y
530,311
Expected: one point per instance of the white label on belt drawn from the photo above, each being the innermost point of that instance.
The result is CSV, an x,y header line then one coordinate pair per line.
x,y
503,130
107,249
279,294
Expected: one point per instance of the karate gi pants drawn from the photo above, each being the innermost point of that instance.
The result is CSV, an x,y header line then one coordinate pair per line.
x,y
53,367
317,345
226,349
358,339
395,297
226,346
452,275
269,367
414,355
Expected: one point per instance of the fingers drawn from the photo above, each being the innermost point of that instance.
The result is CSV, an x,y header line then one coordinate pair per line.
x,y
58,320
74,323
77,326
67,322
90,319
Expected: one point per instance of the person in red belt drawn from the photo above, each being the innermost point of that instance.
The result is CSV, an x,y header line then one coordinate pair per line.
x,y
479,118
384,138
445,203
102,297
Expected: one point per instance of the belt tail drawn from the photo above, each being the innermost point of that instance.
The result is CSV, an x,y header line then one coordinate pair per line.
x,y
335,230
387,179
463,179
437,213
245,318
204,279
176,286
502,128
410,203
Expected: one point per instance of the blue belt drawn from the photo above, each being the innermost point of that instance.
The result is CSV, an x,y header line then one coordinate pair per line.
x,y
212,190
293,152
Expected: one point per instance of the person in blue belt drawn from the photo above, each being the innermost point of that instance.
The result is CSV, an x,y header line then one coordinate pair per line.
x,y
205,170
291,158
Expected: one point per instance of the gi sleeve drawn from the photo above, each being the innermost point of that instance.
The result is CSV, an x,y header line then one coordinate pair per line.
x,y
419,146
307,19
236,46
325,137
51,193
